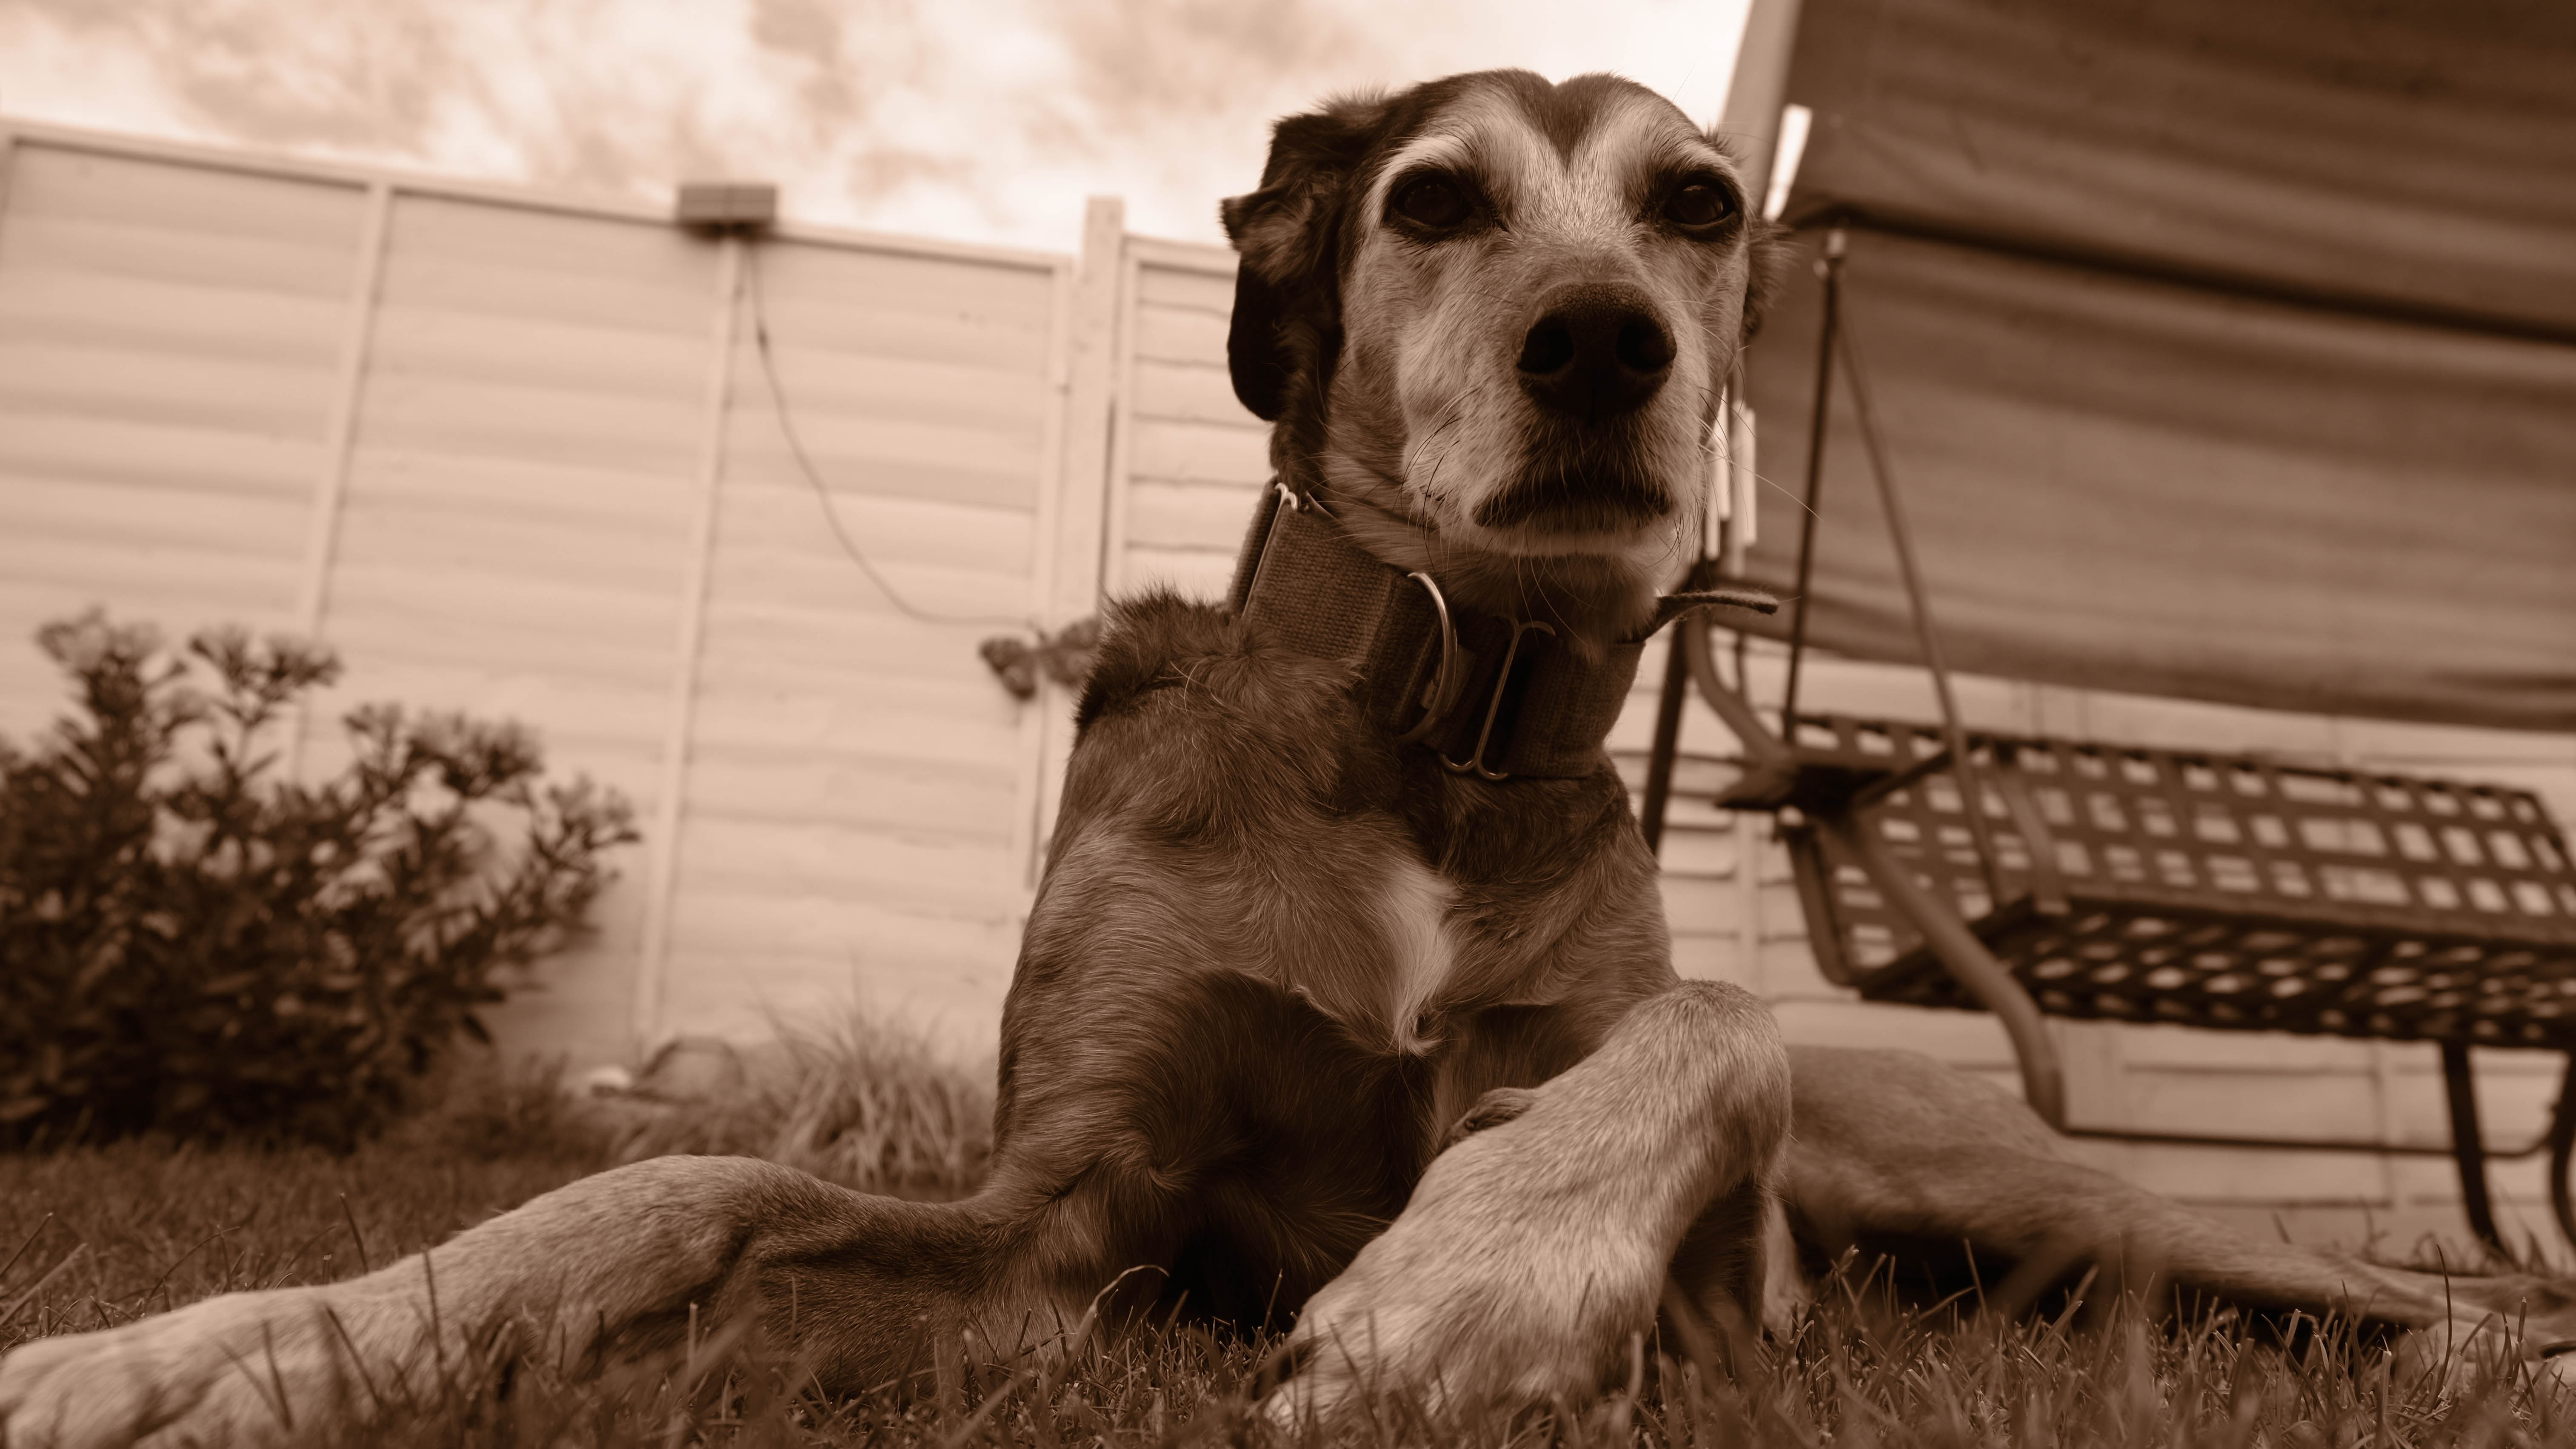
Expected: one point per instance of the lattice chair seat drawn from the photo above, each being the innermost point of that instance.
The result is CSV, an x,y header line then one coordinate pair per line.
x,y
2207,890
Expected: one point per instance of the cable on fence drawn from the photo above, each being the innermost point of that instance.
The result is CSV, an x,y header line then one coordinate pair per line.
x,y
822,491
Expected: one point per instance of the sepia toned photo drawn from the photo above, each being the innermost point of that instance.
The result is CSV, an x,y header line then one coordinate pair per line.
x,y
1154,724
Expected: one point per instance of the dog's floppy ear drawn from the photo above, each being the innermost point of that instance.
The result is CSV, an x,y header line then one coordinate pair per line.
x,y
1766,250
1287,291
1766,264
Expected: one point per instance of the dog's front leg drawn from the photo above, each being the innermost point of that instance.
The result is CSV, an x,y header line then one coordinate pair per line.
x,y
1536,1246
616,1266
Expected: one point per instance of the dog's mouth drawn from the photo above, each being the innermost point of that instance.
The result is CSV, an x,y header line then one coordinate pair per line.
x,y
1578,483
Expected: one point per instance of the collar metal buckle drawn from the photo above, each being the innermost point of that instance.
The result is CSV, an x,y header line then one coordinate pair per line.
x,y
1474,764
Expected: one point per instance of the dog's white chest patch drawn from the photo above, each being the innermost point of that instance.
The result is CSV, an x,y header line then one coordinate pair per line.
x,y
1413,911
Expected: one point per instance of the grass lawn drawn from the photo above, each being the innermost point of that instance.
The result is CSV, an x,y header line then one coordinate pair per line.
x,y
104,1235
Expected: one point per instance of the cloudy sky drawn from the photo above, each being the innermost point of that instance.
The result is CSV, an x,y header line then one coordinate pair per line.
x,y
974,119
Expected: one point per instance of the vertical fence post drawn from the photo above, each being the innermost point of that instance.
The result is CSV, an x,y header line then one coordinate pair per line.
x,y
1029,775
9,144
339,446
662,841
1093,344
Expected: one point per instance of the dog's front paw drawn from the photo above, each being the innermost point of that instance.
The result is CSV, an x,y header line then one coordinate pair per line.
x,y
83,1390
209,1373
1538,1243
1502,1284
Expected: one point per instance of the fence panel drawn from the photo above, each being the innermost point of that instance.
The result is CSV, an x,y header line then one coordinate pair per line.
x,y
511,531
169,340
520,457
1190,458
857,787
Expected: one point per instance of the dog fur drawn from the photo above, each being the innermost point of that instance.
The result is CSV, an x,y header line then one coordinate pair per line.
x,y
1279,963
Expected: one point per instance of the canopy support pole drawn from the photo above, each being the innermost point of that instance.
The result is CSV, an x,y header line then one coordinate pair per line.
x,y
1830,269
1955,735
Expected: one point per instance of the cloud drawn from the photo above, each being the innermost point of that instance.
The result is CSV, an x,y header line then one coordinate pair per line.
x,y
975,119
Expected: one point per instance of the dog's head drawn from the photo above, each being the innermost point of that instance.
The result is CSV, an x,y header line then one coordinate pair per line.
x,y
1492,317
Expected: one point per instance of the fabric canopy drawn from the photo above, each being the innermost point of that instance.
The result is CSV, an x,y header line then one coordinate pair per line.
x,y
2222,349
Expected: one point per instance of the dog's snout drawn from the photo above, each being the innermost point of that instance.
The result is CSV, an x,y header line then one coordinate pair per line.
x,y
1595,352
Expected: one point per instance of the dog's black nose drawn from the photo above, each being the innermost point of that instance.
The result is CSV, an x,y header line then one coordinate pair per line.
x,y
1595,352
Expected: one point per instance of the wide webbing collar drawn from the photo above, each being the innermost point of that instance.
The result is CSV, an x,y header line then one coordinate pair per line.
x,y
1493,697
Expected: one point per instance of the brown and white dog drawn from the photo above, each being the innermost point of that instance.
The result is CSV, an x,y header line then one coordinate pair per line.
x,y
1347,1000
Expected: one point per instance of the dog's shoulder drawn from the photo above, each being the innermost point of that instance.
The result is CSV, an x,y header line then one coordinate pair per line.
x,y
1147,644
1193,714
1163,652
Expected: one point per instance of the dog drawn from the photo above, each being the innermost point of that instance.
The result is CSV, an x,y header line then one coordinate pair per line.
x,y
1346,1004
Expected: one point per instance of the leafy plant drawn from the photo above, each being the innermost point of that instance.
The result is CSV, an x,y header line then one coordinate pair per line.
x,y
190,943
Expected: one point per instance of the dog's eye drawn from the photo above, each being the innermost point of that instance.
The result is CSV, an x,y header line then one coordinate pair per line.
x,y
1437,202
1698,204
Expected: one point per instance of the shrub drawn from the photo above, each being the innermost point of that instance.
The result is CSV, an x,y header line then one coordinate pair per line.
x,y
190,944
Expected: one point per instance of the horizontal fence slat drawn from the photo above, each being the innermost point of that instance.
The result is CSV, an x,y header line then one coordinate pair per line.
x,y
43,303
1188,515
116,383
1174,334
925,872
1193,392
1200,453
1165,286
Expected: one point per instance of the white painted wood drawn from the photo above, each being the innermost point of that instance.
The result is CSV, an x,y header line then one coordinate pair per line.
x,y
148,463
1091,376
1118,576
861,790
1035,743
519,464
662,843
513,537
1192,459
1078,538
332,483
8,156
499,194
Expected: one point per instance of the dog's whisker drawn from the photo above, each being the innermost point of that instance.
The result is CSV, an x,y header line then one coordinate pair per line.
x,y
1765,480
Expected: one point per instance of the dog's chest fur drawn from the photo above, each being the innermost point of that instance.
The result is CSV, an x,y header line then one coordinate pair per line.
x,y
1229,790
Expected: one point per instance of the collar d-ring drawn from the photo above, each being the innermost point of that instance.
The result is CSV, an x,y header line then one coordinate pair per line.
x,y
1442,692
1296,502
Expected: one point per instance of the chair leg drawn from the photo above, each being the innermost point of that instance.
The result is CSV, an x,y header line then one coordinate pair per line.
x,y
2468,1147
2562,1146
